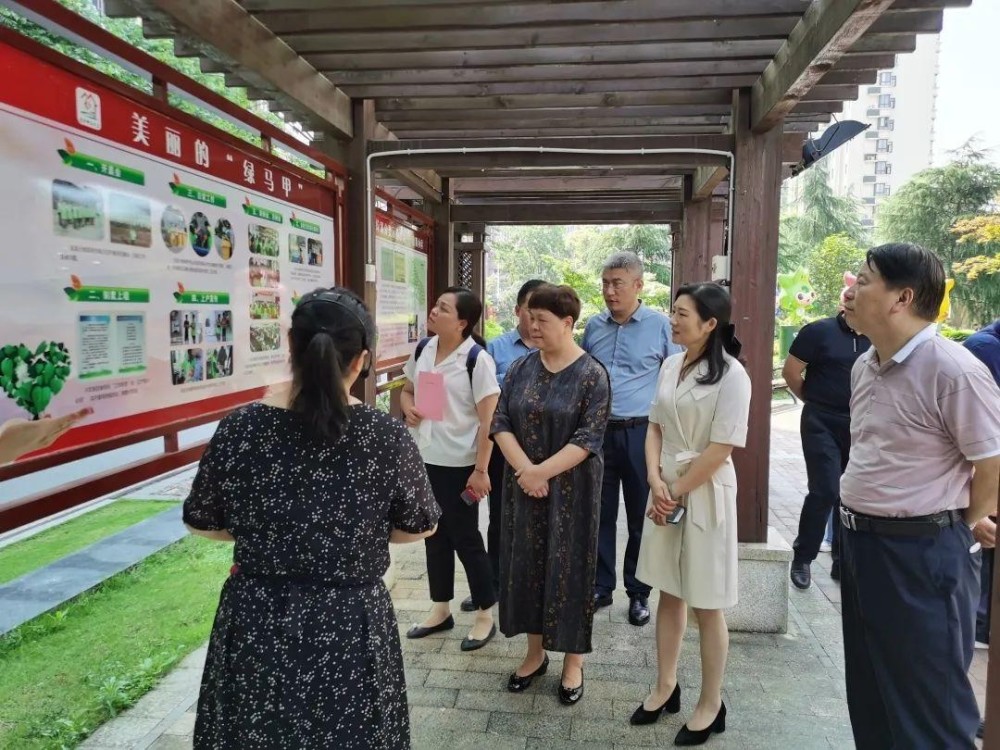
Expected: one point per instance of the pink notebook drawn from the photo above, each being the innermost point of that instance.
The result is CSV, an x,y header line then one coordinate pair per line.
x,y
430,395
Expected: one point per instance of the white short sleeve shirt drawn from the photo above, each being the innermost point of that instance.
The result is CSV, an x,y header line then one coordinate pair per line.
x,y
452,441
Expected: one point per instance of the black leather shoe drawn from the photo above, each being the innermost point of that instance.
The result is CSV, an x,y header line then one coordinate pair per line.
x,y
571,696
602,600
638,610
419,631
471,644
468,605
688,738
835,570
671,706
518,684
801,575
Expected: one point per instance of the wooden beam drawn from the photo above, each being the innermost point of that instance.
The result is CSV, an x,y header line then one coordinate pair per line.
x,y
560,121
556,213
826,31
609,100
525,134
401,117
456,15
570,72
707,142
224,26
527,184
678,84
304,34
706,179
791,147
425,182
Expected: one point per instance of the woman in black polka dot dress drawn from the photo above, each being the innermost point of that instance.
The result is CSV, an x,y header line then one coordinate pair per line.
x,y
312,486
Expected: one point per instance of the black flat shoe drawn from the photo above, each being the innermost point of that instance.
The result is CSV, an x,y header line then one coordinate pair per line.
x,y
671,706
801,575
638,611
468,605
602,600
419,631
571,696
688,737
518,684
835,570
471,644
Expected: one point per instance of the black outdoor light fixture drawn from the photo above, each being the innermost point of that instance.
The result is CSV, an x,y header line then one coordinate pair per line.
x,y
835,136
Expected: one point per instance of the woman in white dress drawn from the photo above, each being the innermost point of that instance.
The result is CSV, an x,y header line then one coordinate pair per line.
x,y
698,415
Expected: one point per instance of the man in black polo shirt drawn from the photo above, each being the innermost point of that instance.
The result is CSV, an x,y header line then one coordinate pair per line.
x,y
825,351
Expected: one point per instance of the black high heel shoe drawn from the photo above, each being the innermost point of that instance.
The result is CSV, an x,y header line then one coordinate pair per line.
x,y
571,696
671,706
688,737
518,684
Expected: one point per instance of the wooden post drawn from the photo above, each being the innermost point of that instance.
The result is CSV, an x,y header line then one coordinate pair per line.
x,y
696,255
444,242
363,119
754,264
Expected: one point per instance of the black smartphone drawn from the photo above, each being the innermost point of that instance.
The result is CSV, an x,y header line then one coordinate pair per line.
x,y
677,514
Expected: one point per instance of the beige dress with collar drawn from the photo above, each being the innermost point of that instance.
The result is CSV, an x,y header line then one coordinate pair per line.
x,y
696,559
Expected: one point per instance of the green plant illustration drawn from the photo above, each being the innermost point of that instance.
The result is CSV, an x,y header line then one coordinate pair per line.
x,y
32,378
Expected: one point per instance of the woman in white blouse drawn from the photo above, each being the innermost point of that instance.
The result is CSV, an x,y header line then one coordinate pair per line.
x,y
699,414
456,451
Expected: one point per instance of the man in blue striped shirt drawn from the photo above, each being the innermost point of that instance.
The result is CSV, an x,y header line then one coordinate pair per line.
x,y
505,349
631,341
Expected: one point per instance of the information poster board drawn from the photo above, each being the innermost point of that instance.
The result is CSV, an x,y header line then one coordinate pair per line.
x,y
149,268
401,288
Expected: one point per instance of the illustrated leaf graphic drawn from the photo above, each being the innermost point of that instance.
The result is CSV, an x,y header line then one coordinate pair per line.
x,y
69,146
75,281
180,286
177,179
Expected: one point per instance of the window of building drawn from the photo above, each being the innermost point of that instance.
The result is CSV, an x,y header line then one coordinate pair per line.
x,y
883,167
886,101
882,189
883,146
870,157
874,90
887,78
886,123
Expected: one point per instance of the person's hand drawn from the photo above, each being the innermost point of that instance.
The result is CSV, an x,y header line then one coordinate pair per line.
x,y
663,503
479,482
413,416
532,482
20,436
985,532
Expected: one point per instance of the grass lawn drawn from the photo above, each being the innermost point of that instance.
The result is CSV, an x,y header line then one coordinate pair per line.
x,y
65,673
73,535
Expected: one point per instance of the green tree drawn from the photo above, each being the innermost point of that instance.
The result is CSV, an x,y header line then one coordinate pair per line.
x,y
926,208
130,30
827,263
821,214
977,278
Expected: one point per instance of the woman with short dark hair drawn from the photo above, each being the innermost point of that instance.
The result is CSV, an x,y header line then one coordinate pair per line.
x,y
312,486
699,414
550,426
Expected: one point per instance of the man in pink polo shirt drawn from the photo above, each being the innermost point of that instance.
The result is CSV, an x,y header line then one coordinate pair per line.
x,y
924,468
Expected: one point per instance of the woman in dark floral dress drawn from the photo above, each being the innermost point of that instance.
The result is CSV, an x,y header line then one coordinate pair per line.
x,y
550,426
312,486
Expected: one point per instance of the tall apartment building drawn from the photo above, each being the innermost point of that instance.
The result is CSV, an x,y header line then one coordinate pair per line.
x,y
900,110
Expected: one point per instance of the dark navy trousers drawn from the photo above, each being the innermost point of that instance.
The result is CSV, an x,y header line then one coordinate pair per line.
x,y
909,614
826,447
624,474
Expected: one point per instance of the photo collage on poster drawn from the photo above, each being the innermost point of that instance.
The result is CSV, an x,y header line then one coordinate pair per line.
x,y
200,345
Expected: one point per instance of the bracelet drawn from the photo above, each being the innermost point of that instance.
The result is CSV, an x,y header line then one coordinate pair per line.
x,y
481,471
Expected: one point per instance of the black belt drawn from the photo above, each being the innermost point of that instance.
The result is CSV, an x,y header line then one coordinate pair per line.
x,y
914,526
624,424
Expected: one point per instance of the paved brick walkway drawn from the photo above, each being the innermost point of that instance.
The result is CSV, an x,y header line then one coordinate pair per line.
x,y
783,691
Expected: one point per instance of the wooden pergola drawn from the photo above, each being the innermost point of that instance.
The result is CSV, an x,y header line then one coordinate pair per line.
x,y
712,98
742,80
